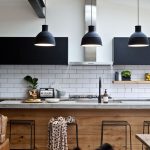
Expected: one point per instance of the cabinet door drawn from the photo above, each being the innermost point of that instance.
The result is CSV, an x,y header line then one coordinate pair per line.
x,y
21,50
124,55
9,51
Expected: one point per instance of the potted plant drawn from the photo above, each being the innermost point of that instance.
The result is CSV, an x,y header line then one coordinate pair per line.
x,y
33,83
126,75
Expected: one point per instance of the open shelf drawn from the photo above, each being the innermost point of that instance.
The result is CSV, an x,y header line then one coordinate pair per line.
x,y
131,82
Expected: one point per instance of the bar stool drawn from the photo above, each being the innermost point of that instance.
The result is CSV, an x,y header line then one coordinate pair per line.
x,y
117,123
31,124
146,124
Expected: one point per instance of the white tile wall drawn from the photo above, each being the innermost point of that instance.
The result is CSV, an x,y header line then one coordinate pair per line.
x,y
72,79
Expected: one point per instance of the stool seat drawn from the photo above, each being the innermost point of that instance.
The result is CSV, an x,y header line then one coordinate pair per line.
x,y
30,123
146,123
22,121
117,123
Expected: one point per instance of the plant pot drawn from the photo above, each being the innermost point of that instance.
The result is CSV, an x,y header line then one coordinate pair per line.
x,y
126,78
33,94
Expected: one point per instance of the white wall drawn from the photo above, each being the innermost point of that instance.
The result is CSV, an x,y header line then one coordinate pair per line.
x,y
117,18
66,18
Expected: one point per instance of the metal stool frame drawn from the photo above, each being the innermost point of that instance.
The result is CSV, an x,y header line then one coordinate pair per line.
x,y
31,123
77,139
145,124
117,123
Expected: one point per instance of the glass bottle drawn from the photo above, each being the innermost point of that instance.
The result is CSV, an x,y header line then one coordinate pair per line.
x,y
105,97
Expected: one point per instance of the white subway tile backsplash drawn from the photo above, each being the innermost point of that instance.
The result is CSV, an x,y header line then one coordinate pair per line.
x,y
71,90
61,86
3,89
6,66
147,90
80,81
89,67
7,76
48,67
6,94
89,86
3,81
54,71
73,79
89,76
28,71
44,81
44,85
77,67
137,90
75,85
62,76
94,90
69,81
70,71
83,90
62,67
4,71
48,75
83,71
11,81
76,76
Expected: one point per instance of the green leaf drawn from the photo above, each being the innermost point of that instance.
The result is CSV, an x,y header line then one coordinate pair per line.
x,y
126,73
33,81
28,79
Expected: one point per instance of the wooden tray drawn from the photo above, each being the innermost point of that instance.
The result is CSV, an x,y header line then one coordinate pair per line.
x,y
31,101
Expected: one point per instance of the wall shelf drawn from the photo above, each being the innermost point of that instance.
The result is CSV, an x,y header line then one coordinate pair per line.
x,y
131,82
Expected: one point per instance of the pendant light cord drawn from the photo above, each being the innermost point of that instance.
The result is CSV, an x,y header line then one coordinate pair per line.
x,y
138,5
91,12
45,12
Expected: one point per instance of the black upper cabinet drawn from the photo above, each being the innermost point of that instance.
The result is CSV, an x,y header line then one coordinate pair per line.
x,y
21,50
124,55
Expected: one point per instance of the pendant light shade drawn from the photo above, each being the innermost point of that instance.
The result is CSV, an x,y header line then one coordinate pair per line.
x,y
45,38
138,38
91,38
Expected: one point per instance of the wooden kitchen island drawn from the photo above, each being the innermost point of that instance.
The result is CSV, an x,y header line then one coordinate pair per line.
x,y
88,119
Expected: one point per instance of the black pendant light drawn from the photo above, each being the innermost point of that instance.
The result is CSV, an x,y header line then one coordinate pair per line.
x,y
45,38
91,38
138,38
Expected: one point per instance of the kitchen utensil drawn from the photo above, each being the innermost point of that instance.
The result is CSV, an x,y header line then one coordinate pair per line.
x,y
32,101
60,93
52,100
46,92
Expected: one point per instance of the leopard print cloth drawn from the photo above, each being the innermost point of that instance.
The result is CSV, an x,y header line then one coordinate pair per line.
x,y
57,130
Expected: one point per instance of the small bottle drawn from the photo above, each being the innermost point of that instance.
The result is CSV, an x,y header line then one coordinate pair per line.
x,y
116,76
119,76
105,97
